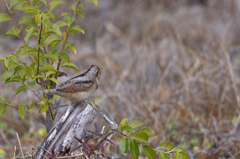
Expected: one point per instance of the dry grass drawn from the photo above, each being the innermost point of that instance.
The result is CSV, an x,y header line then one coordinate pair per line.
x,y
172,65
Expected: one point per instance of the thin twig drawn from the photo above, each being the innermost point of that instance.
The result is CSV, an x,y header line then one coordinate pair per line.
x,y
65,41
20,144
26,112
39,41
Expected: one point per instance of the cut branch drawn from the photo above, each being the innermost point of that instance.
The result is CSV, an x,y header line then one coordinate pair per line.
x,y
74,121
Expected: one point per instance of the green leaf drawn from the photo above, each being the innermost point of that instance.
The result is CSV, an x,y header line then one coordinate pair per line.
x,y
56,29
164,156
166,145
31,106
56,97
3,109
43,108
135,123
178,149
47,67
53,79
73,66
54,4
42,1
31,11
2,99
51,39
49,15
26,5
134,149
123,145
21,88
6,75
73,49
68,18
22,111
30,32
149,152
13,2
94,2
42,103
51,101
141,136
148,131
72,6
123,122
127,128
181,155
14,31
19,7
27,20
46,25
38,76
61,23
27,50
32,83
51,57
80,13
49,73
65,56
75,28
2,58
4,17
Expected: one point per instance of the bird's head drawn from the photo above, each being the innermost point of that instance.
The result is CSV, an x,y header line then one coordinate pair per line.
x,y
95,71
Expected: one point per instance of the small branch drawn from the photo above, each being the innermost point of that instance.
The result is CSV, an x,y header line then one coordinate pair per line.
x,y
48,5
26,112
112,123
11,14
65,41
77,6
20,144
45,51
60,59
39,41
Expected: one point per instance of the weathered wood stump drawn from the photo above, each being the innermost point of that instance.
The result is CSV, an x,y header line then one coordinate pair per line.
x,y
72,123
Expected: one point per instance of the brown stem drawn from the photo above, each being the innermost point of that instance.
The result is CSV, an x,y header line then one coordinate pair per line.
x,y
39,41
65,40
77,6
26,112
48,5
99,142
60,59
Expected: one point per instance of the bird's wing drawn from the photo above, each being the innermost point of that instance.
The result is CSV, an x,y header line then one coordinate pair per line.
x,y
75,86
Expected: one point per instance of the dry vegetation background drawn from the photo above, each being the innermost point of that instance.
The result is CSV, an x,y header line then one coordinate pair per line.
x,y
172,64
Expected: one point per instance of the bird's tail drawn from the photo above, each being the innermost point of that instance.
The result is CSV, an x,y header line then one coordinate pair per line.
x,y
47,91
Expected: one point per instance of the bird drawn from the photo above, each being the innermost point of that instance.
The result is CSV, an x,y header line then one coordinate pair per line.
x,y
79,88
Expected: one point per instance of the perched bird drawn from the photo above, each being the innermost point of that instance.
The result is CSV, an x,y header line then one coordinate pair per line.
x,y
78,88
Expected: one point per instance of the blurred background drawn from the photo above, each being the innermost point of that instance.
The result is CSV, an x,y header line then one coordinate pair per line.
x,y
172,64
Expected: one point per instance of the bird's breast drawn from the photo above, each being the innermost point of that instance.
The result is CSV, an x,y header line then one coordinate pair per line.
x,y
81,96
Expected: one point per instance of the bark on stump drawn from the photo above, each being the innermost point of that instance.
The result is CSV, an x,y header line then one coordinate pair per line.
x,y
72,123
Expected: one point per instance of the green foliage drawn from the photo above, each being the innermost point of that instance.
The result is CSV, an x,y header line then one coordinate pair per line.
x,y
46,60
138,135
4,17
22,111
124,145
134,149
21,88
149,151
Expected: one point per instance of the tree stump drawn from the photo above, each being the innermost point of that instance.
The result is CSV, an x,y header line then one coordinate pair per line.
x,y
72,123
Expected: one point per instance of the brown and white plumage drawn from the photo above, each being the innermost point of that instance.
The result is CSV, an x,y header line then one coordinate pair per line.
x,y
78,88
